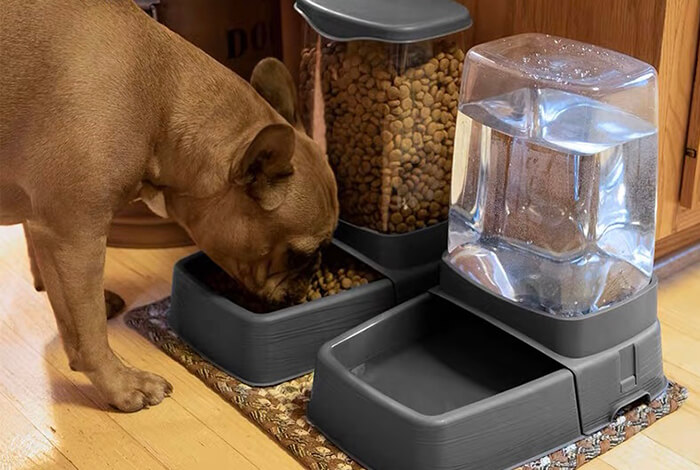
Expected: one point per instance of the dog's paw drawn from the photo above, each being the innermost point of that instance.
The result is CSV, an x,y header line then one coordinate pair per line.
x,y
132,389
113,304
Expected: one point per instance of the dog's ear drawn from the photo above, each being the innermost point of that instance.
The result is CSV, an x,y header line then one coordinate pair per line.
x,y
272,81
154,199
265,167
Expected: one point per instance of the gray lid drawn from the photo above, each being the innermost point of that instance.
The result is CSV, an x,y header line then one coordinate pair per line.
x,y
384,20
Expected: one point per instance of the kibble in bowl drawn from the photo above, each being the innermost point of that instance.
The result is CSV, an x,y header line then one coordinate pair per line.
x,y
338,272
386,115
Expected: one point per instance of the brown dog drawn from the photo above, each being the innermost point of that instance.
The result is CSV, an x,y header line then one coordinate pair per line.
x,y
101,105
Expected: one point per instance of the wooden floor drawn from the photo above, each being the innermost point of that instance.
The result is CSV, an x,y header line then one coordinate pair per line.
x,y
50,417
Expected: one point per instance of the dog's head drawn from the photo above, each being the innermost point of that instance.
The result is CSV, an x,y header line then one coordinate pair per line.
x,y
277,209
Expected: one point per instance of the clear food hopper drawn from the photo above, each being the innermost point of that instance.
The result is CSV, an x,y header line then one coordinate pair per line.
x,y
379,91
554,173
379,88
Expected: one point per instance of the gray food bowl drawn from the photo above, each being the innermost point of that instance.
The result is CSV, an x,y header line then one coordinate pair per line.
x,y
264,349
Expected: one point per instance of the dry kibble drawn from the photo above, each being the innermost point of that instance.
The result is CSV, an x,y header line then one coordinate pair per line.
x,y
337,272
393,93
389,129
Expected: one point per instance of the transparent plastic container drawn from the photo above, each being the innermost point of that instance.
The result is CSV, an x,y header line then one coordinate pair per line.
x,y
553,199
379,90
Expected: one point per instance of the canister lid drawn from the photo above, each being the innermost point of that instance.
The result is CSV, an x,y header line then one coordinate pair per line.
x,y
397,21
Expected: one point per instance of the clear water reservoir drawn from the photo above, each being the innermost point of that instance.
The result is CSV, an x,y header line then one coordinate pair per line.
x,y
554,174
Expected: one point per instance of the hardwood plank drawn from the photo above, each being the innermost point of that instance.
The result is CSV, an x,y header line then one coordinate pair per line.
x,y
191,407
598,464
680,349
173,435
84,434
688,380
643,453
23,446
675,303
218,415
176,437
169,431
679,432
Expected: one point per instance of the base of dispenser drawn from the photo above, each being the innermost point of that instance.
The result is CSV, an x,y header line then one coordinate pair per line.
x,y
411,260
578,336
615,353
434,384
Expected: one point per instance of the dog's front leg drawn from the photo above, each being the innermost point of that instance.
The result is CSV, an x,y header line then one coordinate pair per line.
x,y
72,267
36,274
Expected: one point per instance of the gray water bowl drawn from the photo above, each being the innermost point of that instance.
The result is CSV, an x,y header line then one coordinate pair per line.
x,y
427,385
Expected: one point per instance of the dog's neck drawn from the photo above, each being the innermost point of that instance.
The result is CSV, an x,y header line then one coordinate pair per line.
x,y
208,117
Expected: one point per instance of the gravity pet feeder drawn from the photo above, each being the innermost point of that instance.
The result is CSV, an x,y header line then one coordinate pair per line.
x,y
379,91
544,324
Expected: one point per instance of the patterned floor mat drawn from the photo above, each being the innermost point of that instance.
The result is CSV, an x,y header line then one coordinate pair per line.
x,y
281,410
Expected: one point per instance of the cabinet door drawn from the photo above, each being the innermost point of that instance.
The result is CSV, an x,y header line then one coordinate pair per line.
x,y
690,187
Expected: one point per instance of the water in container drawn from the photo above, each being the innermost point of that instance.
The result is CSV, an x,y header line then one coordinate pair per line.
x,y
554,174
